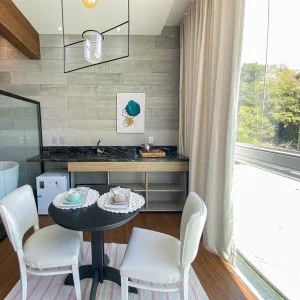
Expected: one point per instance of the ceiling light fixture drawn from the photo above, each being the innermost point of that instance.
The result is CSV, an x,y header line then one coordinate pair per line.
x,y
93,46
92,39
90,3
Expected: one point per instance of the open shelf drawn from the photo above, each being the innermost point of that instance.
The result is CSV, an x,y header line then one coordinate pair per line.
x,y
165,187
163,191
137,187
165,206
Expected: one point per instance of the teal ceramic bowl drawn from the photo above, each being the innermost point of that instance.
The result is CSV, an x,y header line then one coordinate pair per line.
x,y
74,196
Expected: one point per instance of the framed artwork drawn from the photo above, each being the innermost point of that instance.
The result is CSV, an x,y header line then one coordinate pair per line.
x,y
130,112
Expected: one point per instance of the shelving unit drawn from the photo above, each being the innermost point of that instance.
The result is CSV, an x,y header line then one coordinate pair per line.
x,y
168,194
162,184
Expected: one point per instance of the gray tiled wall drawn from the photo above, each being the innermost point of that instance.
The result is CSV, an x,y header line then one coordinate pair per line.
x,y
81,106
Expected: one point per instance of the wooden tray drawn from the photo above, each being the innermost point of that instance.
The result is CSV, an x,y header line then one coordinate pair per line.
x,y
153,153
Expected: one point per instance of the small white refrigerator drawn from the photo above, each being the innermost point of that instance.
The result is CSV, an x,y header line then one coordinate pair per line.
x,y
49,185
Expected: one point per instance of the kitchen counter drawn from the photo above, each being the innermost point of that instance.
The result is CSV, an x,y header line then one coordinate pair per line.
x,y
111,154
162,181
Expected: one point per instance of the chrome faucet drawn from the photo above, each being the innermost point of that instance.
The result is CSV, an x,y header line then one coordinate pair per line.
x,y
100,150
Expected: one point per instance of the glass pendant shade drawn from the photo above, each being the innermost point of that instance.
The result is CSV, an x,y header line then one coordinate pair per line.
x,y
90,3
92,46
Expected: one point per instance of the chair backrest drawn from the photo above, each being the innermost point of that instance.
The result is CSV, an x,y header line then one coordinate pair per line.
x,y
192,224
18,212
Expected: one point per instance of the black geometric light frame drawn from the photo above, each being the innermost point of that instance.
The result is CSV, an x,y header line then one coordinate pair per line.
x,y
102,33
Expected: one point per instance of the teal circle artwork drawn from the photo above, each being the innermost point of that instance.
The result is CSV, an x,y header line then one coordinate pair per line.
x,y
133,108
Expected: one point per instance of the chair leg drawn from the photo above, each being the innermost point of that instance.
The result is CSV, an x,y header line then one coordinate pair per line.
x,y
23,274
76,278
81,250
184,284
124,287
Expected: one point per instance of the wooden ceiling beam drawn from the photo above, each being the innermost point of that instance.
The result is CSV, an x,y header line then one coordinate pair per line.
x,y
16,29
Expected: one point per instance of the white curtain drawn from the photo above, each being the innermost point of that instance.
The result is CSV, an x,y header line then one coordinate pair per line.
x,y
211,38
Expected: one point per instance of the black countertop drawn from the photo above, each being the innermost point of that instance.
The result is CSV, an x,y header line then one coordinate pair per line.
x,y
111,154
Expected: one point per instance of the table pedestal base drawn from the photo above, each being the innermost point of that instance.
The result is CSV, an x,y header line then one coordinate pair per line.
x,y
99,270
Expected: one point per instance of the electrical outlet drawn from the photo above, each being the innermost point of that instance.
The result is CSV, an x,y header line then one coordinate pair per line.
x,y
54,140
21,140
151,140
62,140
28,140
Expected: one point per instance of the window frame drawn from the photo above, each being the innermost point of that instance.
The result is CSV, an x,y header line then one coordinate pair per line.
x,y
282,162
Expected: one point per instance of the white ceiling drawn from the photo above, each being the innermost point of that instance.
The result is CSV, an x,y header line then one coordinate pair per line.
x,y
147,17
177,11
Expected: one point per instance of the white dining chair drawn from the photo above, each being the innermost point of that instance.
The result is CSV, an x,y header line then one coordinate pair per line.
x,y
159,258
47,249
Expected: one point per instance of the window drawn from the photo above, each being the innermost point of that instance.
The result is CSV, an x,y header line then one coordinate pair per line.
x,y
266,188
269,100
267,226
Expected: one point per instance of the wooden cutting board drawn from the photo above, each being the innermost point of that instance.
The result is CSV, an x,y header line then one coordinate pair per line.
x,y
154,153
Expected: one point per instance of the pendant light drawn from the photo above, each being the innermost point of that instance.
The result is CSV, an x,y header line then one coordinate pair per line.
x,y
90,3
92,46
92,40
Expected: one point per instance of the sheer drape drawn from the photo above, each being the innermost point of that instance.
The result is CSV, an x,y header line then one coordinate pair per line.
x,y
211,35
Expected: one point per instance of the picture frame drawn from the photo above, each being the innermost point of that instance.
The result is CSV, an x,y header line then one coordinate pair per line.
x,y
131,112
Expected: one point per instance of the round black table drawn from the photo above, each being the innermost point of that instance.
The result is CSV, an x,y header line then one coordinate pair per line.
x,y
94,220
